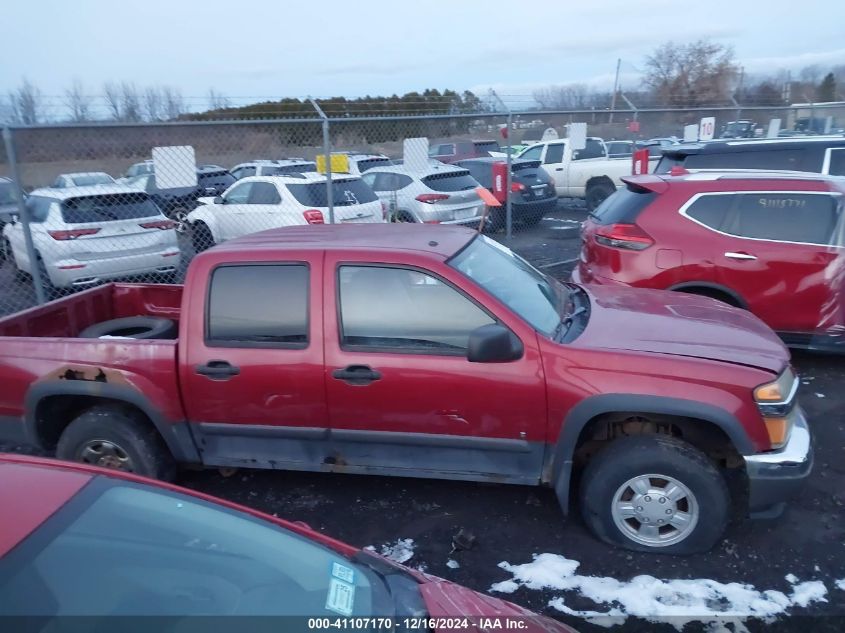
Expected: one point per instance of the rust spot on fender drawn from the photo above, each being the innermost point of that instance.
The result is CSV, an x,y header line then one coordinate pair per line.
x,y
86,374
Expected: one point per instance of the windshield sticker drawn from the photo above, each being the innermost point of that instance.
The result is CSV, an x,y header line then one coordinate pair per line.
x,y
341,597
344,573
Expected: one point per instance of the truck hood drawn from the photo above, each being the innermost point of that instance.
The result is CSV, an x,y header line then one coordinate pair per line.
x,y
664,322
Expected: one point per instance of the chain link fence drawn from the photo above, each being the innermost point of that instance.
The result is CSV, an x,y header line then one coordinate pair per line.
x,y
86,204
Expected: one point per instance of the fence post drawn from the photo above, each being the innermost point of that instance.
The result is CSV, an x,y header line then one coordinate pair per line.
x,y
508,210
327,151
23,216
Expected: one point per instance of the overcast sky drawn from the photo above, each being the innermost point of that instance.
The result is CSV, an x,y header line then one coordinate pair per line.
x,y
281,48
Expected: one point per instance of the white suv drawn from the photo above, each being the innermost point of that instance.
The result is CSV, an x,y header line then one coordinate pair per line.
x,y
266,202
84,235
272,167
359,163
437,193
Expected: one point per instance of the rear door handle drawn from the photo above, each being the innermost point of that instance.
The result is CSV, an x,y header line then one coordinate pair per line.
x,y
558,168
356,374
218,370
743,256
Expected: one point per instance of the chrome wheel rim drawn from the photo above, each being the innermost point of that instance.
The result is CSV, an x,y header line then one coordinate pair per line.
x,y
180,216
105,454
655,510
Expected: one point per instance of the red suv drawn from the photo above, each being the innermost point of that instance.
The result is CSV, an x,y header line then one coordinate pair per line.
x,y
769,242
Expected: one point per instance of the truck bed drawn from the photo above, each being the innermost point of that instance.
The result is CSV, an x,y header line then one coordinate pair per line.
x,y
67,317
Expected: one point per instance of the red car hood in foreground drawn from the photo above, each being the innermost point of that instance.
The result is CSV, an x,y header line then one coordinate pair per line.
x,y
666,322
446,600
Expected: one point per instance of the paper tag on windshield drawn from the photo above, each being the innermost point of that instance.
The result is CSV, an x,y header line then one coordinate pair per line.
x,y
344,573
341,597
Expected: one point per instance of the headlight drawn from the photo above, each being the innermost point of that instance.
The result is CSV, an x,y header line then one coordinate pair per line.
x,y
776,402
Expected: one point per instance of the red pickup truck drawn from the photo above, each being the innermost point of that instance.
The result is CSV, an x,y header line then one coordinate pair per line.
x,y
423,351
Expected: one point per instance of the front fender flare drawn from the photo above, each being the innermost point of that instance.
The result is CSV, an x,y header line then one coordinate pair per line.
x,y
563,451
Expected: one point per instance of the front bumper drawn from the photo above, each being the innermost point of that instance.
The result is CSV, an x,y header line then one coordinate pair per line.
x,y
776,476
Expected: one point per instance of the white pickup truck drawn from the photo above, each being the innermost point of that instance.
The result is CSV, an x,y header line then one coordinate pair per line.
x,y
584,173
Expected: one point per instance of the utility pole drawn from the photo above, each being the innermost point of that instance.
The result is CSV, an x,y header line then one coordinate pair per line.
x,y
615,90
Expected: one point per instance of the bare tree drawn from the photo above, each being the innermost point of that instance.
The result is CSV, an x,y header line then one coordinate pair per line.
x,y
172,103
217,100
130,102
570,96
152,104
25,102
111,95
688,75
77,102
811,74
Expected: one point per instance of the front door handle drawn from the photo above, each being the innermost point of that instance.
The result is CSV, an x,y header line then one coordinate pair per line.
x,y
217,370
558,168
356,374
742,256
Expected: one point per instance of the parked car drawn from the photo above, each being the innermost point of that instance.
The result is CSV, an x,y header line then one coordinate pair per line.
x,y
759,241
144,167
82,179
738,129
451,152
422,351
532,189
265,202
619,149
437,193
586,173
817,154
175,202
8,209
272,167
359,163
183,553
86,235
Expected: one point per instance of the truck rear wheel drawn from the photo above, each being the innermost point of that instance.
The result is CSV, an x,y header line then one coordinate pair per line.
x,y
116,437
598,193
655,493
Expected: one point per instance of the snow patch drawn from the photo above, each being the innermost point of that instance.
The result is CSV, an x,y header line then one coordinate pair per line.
x,y
452,564
684,601
819,395
401,551
840,584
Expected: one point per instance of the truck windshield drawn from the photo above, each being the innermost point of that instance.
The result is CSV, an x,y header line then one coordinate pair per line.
x,y
514,282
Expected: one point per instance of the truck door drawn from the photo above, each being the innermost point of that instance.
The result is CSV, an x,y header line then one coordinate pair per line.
x,y
252,374
402,396
556,166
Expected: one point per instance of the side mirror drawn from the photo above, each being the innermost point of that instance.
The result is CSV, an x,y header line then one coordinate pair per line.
x,y
219,200
493,343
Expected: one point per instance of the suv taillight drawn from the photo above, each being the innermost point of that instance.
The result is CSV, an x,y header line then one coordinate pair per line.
x,y
313,216
516,187
71,234
431,198
162,225
628,236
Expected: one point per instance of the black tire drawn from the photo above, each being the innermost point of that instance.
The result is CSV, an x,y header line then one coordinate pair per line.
x,y
635,456
598,193
139,327
201,237
102,434
5,250
402,217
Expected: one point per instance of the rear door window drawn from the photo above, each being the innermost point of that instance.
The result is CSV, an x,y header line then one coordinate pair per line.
x,y
264,193
345,193
785,217
452,181
593,149
711,209
624,206
258,304
108,208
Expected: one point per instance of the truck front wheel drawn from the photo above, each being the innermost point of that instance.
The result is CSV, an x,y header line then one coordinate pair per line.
x,y
116,437
655,493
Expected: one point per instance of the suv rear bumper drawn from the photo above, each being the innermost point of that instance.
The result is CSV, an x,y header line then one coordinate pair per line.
x,y
776,476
